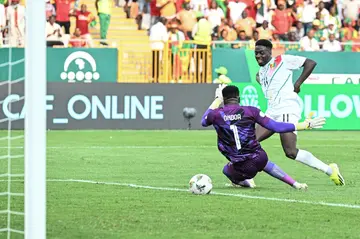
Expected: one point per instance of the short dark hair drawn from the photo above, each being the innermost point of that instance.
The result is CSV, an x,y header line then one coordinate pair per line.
x,y
264,42
230,91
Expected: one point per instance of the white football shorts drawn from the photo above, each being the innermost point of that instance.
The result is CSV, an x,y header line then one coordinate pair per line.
x,y
288,111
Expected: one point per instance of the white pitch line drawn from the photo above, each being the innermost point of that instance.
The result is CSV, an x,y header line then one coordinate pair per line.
x,y
169,146
342,205
213,193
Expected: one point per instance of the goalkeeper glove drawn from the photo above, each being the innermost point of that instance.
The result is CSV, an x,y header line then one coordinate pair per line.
x,y
310,123
218,97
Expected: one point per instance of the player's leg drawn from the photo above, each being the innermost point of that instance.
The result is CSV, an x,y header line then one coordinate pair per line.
x,y
262,133
288,142
276,172
237,178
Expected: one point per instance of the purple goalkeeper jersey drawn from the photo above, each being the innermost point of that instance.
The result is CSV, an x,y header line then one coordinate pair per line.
x,y
235,128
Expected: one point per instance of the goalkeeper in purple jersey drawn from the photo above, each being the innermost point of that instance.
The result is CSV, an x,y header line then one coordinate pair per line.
x,y
235,128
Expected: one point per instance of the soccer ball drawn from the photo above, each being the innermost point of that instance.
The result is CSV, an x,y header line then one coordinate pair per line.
x,y
200,184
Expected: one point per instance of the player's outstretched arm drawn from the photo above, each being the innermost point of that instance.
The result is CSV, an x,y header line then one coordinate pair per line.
x,y
280,127
206,119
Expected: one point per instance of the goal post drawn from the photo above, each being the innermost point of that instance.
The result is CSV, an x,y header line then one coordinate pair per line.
x,y
35,120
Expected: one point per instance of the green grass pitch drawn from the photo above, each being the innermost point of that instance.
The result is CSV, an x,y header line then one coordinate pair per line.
x,y
168,159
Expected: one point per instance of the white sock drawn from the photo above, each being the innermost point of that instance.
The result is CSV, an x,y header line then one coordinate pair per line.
x,y
309,159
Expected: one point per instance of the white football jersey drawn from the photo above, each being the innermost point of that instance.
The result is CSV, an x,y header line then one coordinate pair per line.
x,y
276,79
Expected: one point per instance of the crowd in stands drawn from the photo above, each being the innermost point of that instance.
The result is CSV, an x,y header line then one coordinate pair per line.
x,y
308,25
58,14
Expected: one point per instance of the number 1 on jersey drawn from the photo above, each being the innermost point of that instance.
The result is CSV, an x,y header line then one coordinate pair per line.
x,y
236,136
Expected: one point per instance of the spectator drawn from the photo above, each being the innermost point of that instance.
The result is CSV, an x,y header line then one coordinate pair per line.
x,y
332,17
144,17
134,10
281,20
223,37
263,10
351,9
49,9
144,7
330,30
332,44
321,21
318,33
2,22
246,23
104,7
158,37
15,16
167,8
236,9
77,40
299,31
307,14
154,13
232,33
324,13
309,43
83,18
349,30
202,39
264,31
243,36
199,5
251,8
347,40
243,40
277,44
215,14
188,19
176,39
251,43
294,42
223,5
53,33
62,14
327,4
223,25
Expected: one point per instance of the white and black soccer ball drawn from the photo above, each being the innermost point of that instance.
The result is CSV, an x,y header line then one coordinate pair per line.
x,y
200,184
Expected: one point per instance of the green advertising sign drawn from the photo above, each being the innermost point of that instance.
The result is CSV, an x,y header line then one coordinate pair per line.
x,y
339,104
234,60
71,65
82,65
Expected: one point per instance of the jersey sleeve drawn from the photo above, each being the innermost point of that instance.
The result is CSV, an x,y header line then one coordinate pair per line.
x,y
266,122
208,118
259,116
293,62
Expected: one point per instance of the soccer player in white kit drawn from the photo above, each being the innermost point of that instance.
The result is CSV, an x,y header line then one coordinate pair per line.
x,y
276,79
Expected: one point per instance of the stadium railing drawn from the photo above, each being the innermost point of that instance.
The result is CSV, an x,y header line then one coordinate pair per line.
x,y
184,63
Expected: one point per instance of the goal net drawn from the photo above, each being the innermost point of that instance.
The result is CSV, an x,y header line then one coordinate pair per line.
x,y
23,121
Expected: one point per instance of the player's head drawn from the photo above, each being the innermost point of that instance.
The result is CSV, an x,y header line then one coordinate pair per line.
x,y
263,50
231,95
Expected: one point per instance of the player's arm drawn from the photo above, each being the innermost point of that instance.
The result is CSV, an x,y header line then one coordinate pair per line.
x,y
208,117
308,68
297,62
280,127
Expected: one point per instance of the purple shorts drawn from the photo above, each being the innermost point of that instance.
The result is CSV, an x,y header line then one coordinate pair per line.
x,y
247,169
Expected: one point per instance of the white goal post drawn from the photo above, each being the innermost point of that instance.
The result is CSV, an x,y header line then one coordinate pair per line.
x,y
35,121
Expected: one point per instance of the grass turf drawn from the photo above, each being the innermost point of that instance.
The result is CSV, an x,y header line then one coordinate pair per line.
x,y
169,159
